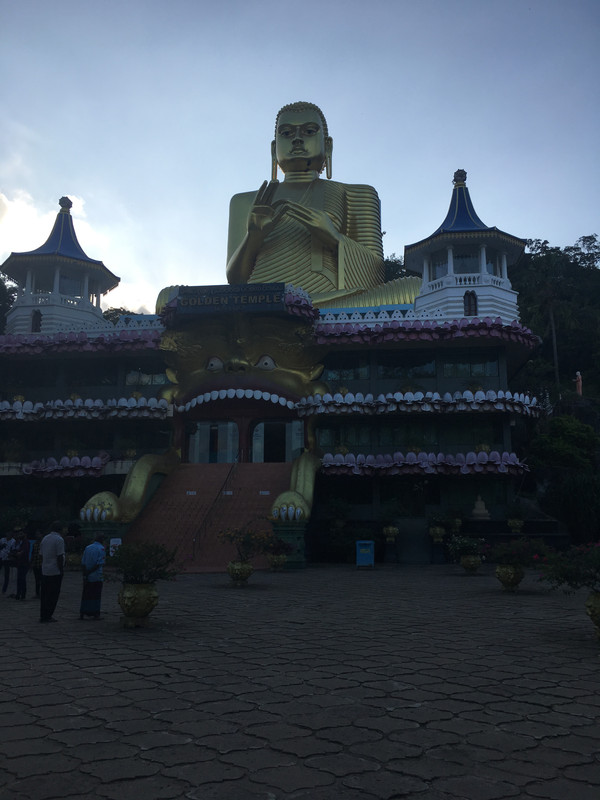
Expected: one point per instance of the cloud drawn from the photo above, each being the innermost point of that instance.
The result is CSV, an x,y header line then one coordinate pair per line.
x,y
23,226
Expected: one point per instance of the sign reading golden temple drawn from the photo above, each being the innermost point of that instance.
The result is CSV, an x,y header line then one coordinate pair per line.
x,y
247,297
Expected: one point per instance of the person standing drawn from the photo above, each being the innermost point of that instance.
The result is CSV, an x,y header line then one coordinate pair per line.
x,y
52,549
92,563
7,544
36,562
21,556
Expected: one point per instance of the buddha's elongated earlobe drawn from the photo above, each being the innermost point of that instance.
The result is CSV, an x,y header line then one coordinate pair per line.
x,y
273,162
328,154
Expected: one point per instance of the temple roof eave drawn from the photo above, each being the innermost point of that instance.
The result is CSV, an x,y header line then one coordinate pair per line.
x,y
414,253
17,265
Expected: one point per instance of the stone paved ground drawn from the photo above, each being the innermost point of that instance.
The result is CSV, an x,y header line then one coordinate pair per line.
x,y
313,685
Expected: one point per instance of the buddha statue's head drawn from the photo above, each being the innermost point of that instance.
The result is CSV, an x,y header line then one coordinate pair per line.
x,y
302,142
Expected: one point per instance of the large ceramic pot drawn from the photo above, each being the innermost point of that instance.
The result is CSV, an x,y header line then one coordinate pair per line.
x,y
509,575
592,607
137,601
239,572
470,564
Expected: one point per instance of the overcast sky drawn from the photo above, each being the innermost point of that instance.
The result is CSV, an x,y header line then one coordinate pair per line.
x,y
150,115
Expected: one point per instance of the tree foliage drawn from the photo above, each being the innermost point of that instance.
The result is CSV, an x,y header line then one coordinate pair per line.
x,y
8,293
559,298
394,268
113,314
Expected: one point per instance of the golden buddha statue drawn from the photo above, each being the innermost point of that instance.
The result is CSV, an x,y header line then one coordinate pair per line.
x,y
323,236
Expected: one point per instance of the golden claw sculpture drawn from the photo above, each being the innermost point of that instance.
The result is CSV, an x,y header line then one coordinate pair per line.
x,y
107,507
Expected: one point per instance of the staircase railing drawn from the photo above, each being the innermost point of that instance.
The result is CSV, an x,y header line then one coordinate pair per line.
x,y
212,509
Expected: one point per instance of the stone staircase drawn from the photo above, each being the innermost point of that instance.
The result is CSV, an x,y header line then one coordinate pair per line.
x,y
196,501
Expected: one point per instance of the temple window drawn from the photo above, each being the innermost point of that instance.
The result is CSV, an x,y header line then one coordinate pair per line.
x,y
493,264
70,286
344,367
277,441
136,377
470,304
402,366
466,260
92,373
439,264
213,443
475,365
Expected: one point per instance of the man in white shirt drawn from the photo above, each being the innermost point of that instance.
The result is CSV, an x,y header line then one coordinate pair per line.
x,y
52,550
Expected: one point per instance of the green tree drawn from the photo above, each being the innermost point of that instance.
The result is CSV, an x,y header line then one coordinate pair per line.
x,y
113,314
559,298
8,293
394,268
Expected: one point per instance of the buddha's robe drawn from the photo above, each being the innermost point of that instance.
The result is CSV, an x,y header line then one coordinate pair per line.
x,y
291,254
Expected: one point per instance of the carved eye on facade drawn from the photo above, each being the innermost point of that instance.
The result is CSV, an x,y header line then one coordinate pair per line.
x,y
265,362
214,364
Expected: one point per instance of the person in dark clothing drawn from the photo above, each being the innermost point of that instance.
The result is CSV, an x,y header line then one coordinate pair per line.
x,y
52,549
21,557
36,562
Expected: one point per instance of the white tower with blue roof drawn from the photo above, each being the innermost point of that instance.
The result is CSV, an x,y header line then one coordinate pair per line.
x,y
464,265
60,287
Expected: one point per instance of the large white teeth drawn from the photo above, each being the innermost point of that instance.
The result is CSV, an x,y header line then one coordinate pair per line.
x,y
241,394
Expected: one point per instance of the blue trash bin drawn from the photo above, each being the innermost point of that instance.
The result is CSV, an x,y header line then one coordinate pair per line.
x,y
365,554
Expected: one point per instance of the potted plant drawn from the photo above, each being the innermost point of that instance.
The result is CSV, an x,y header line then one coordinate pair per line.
x,y
467,551
513,557
573,569
437,528
140,566
277,551
248,543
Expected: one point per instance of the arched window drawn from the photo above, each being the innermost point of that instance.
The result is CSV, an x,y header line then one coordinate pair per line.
x,y
470,304
36,321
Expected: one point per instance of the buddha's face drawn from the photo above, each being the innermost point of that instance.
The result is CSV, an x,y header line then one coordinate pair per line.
x,y
300,143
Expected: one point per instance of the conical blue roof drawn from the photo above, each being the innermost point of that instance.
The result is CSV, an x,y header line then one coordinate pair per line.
x,y
62,240
461,215
461,222
61,244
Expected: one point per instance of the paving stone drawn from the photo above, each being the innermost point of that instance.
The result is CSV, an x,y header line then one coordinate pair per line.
x,y
250,760
204,772
127,727
90,736
504,741
60,786
350,734
11,732
232,790
306,746
181,754
385,750
333,792
49,764
341,764
154,788
120,769
231,742
584,744
277,731
292,778
561,788
16,717
385,784
426,768
472,786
